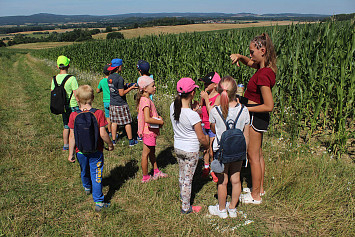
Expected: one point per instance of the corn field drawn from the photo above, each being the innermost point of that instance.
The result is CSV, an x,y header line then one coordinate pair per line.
x,y
315,83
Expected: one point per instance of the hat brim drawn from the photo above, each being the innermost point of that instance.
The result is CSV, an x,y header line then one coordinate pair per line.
x,y
110,68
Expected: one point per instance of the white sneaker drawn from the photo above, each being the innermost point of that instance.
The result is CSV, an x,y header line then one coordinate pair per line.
x,y
248,199
214,210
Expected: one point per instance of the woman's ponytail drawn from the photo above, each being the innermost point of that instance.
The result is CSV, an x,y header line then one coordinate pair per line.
x,y
264,40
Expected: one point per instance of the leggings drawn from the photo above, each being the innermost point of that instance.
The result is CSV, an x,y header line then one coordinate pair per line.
x,y
187,166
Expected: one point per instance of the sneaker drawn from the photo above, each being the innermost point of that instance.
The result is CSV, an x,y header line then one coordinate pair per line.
x,y
248,199
65,148
87,191
159,175
114,142
214,210
139,139
232,212
110,134
100,205
194,209
132,142
147,180
205,173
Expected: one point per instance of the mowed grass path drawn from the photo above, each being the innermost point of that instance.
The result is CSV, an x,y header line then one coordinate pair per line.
x,y
42,195
41,192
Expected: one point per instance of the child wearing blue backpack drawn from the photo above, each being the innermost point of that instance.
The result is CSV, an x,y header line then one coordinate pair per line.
x,y
230,145
87,137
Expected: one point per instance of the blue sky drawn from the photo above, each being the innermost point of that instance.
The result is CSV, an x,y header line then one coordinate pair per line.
x,y
111,7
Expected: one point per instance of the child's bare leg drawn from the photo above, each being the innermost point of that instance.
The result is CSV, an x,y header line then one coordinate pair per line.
x,y
109,128
144,163
128,129
66,136
236,189
152,157
114,131
222,190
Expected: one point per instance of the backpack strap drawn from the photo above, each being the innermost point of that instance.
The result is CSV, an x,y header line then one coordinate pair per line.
x,y
236,120
220,114
55,81
63,84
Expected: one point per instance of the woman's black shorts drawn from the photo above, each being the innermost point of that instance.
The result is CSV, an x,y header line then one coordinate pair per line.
x,y
259,121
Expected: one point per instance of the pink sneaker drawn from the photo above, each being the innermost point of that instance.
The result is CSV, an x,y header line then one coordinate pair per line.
x,y
159,175
147,180
196,209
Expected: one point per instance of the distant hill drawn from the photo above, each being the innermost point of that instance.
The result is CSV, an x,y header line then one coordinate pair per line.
x,y
45,18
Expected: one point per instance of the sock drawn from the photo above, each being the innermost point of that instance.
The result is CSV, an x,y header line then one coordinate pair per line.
x,y
145,177
207,166
156,171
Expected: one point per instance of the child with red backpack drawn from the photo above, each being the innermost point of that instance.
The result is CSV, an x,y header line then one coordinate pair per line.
x,y
87,137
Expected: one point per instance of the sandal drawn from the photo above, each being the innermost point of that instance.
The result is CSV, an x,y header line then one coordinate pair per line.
x,y
248,199
159,175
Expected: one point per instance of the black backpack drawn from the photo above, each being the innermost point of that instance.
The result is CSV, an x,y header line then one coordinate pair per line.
x,y
86,131
232,146
59,96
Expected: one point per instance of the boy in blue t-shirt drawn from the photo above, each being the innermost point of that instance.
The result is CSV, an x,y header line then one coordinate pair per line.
x,y
103,87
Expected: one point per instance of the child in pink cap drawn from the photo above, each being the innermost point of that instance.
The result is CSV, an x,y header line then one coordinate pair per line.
x,y
187,138
149,123
208,100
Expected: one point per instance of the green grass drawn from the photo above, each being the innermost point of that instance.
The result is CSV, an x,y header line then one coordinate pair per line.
x,y
41,192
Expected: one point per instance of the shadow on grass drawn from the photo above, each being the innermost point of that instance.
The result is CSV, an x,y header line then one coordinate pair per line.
x,y
166,157
198,182
118,176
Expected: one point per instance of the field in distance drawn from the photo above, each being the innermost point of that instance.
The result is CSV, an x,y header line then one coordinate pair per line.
x,y
156,30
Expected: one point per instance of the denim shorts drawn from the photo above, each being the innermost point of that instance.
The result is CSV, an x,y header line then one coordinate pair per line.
x,y
66,115
208,132
107,109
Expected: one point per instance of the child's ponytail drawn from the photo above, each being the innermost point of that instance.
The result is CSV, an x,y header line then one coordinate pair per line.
x,y
177,107
227,88
264,40
178,104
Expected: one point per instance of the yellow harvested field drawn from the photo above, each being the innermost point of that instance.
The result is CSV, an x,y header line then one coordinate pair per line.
x,y
41,45
156,30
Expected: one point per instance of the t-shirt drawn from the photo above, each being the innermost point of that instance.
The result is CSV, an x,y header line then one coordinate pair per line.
x,y
143,127
243,120
70,86
151,75
103,85
101,121
185,137
204,113
263,77
116,82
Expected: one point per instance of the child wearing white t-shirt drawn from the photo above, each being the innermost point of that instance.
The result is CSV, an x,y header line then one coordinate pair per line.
x,y
230,108
187,138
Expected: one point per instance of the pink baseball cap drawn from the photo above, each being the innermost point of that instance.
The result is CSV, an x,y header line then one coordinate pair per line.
x,y
185,85
144,81
211,77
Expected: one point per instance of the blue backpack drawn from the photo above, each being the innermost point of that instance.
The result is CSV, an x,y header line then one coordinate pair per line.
x,y
86,131
232,146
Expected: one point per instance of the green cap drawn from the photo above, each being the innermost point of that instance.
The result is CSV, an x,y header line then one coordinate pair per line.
x,y
63,60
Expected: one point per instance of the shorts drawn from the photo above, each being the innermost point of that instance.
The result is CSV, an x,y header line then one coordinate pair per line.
x,y
230,169
107,109
66,115
259,121
120,114
208,132
150,139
